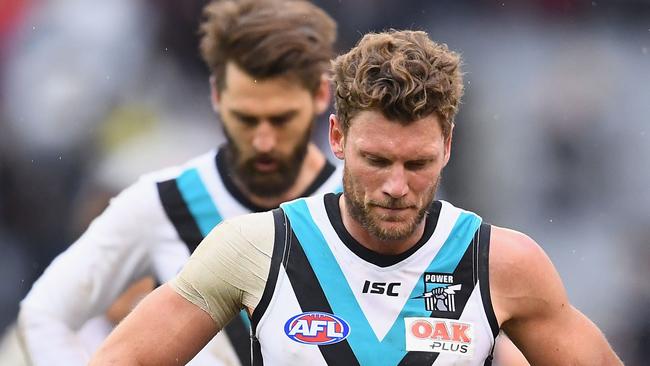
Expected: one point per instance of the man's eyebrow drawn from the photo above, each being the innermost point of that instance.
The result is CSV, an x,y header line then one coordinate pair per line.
x,y
284,114
423,158
287,114
241,114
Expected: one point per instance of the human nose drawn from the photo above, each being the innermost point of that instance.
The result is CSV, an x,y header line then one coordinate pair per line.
x,y
396,184
264,137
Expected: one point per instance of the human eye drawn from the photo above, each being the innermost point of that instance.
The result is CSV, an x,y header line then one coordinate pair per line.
x,y
247,120
377,161
417,164
282,119
279,121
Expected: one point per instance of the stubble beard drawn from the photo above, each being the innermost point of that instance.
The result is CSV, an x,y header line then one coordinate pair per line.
x,y
263,184
361,212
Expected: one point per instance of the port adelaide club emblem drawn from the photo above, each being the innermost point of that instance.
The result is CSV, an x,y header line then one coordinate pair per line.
x,y
439,292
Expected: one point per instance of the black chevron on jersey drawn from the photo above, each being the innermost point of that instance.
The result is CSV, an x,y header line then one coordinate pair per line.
x,y
311,297
179,214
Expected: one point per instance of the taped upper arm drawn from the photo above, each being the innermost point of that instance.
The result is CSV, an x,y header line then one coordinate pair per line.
x,y
228,270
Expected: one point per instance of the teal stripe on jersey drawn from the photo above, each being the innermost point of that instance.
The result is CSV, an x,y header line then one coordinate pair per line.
x,y
244,318
362,339
198,200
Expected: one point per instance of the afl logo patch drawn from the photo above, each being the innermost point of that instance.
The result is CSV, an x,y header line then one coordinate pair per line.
x,y
316,328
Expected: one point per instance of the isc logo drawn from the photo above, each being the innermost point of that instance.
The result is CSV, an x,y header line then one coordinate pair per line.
x,y
381,288
316,328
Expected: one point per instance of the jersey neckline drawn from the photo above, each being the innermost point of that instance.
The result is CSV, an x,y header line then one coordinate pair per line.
x,y
333,209
224,172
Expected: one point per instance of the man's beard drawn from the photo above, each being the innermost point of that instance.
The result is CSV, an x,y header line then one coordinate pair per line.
x,y
262,184
361,211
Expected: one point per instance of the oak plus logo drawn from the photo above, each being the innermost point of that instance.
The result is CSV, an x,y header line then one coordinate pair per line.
x,y
439,335
316,328
439,292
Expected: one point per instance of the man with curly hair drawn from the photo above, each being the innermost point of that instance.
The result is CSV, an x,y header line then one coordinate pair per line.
x,y
382,273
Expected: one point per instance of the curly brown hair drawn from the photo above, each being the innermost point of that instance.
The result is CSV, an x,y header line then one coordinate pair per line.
x,y
402,74
268,38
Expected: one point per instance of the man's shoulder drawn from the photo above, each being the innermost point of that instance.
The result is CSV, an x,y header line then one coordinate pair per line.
x,y
513,253
253,227
245,222
143,195
246,235
519,268
511,244
203,161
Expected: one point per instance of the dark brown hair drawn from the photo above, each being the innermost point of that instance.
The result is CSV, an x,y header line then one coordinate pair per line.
x,y
268,38
402,74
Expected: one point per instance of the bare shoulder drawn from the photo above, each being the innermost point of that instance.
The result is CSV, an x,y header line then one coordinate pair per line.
x,y
522,277
514,253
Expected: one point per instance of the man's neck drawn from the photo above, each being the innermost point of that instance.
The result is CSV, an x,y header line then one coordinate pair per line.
x,y
365,238
311,167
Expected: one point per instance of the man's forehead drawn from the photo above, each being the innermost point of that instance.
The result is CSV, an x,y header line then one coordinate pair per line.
x,y
374,122
373,132
236,77
271,105
391,148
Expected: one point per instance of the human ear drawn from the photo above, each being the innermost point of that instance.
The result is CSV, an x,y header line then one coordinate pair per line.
x,y
214,94
336,137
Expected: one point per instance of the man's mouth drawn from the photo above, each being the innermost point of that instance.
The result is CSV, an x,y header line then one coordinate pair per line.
x,y
393,209
266,165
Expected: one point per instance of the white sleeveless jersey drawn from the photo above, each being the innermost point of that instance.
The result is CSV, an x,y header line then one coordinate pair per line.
x,y
150,228
330,301
199,198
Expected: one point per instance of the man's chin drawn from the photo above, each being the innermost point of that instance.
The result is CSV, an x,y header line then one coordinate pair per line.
x,y
392,230
268,186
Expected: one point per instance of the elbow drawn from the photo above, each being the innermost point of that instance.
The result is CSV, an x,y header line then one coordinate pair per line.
x,y
22,319
27,320
33,321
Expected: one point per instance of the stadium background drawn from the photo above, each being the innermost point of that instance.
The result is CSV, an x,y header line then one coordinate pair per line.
x,y
553,138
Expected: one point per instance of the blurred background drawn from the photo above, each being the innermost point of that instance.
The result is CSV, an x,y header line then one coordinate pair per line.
x,y
553,138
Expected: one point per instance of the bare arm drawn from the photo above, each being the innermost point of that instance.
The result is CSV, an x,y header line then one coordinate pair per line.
x,y
507,354
164,329
532,305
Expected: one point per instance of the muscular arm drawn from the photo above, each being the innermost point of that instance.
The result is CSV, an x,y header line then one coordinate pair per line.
x,y
83,281
164,329
531,303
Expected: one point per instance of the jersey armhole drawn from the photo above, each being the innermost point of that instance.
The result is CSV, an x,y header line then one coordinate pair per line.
x,y
282,230
484,276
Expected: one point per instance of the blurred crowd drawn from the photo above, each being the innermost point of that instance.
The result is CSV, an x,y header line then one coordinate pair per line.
x,y
552,139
